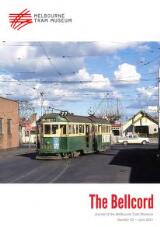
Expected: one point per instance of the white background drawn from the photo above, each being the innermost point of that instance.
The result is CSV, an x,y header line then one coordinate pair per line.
x,y
99,20
68,204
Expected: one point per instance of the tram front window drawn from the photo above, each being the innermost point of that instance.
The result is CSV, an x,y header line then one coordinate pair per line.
x,y
47,129
54,129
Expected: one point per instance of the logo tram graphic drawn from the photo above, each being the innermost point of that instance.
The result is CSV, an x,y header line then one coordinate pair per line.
x,y
19,20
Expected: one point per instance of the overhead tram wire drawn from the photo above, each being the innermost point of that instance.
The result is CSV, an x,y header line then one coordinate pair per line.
x,y
67,57
55,58
74,66
49,59
73,81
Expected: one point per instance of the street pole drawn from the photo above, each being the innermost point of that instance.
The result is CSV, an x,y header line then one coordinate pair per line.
x,y
158,108
41,100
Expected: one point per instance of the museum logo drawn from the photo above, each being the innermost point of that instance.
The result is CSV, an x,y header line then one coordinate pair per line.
x,y
19,20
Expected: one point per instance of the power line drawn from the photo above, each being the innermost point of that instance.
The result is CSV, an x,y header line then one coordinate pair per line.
x,y
48,57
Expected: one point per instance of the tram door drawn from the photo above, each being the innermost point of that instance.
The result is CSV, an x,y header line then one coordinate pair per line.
x,y
89,137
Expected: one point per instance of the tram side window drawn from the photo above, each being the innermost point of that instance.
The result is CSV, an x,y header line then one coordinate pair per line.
x,y
102,129
77,129
63,129
41,129
87,129
81,128
47,129
107,129
74,129
99,128
54,129
70,129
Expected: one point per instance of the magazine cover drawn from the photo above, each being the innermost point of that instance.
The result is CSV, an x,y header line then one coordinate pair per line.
x,y
79,113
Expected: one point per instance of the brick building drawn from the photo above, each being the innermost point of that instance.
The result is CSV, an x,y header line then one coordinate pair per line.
x,y
9,124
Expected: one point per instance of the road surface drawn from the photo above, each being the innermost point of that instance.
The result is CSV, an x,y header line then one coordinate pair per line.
x,y
121,164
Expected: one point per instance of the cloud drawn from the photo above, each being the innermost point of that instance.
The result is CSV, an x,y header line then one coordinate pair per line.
x,y
83,86
53,59
143,48
146,96
148,92
152,109
95,81
127,74
61,61
12,88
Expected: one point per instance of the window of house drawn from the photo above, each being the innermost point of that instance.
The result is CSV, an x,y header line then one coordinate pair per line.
x,y
63,129
47,129
9,126
1,126
54,129
26,133
116,132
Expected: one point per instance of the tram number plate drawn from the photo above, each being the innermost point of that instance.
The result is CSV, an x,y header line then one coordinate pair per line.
x,y
56,143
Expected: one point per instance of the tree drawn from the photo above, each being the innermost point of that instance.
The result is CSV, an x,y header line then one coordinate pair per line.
x,y
26,109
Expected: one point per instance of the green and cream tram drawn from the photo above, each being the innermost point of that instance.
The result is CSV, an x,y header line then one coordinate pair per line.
x,y
66,135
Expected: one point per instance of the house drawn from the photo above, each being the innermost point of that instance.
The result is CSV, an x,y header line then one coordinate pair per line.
x,y
28,129
9,123
116,129
142,124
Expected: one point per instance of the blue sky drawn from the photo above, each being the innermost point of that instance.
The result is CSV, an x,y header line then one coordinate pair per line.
x,y
90,75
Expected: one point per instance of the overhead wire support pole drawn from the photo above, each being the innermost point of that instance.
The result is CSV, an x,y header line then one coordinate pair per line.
x,y
41,102
158,108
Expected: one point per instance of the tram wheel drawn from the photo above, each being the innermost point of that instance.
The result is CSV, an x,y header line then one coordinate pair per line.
x,y
64,155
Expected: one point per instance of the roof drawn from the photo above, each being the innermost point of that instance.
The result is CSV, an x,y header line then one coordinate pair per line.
x,y
116,125
73,118
56,117
77,118
145,115
8,99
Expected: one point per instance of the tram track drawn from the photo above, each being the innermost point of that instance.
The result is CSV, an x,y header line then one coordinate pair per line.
x,y
62,172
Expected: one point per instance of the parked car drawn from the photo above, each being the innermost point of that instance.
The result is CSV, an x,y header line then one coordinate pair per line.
x,y
133,139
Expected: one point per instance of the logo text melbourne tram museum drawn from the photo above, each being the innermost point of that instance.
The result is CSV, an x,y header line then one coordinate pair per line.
x,y
19,20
